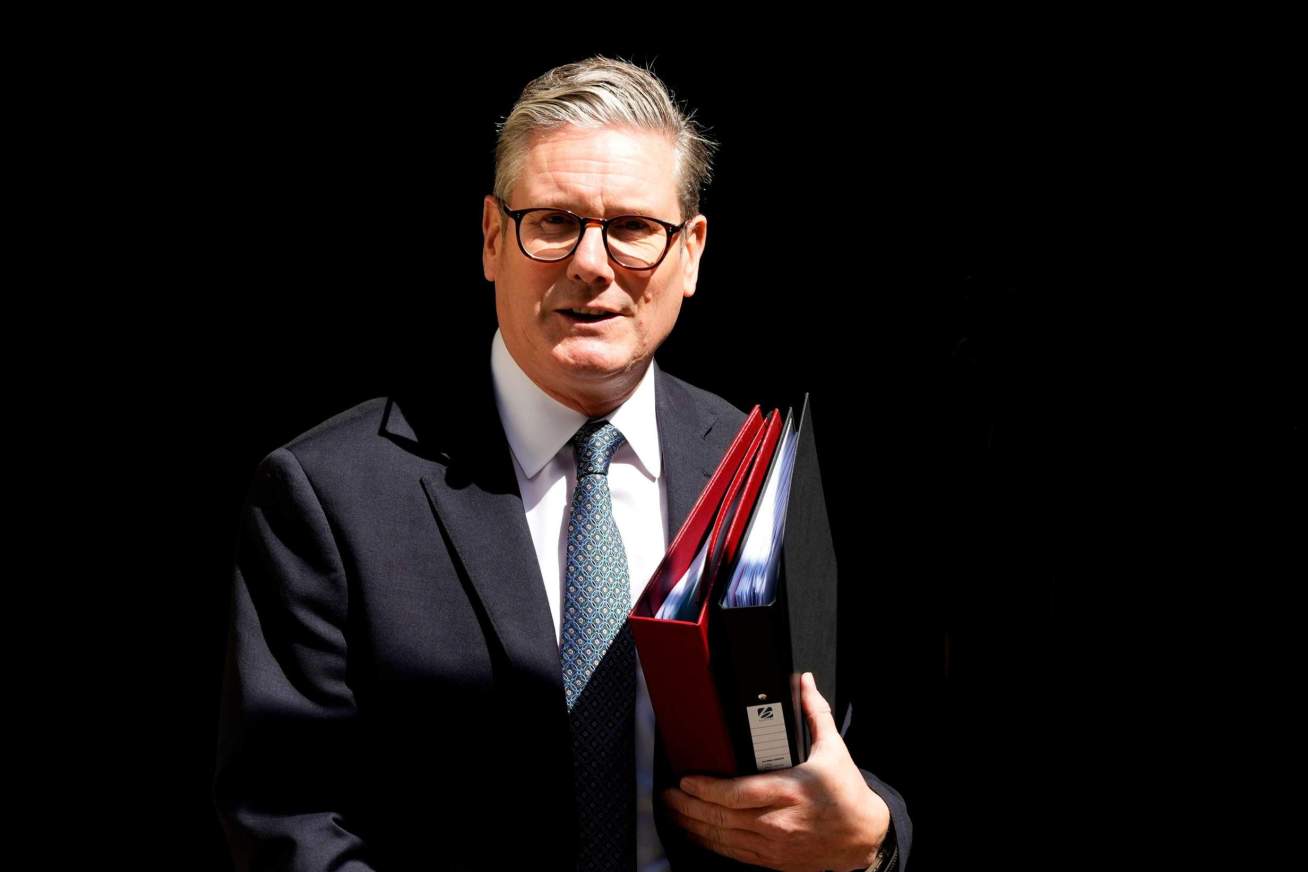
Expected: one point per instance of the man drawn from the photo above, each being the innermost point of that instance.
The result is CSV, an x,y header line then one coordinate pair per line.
x,y
429,665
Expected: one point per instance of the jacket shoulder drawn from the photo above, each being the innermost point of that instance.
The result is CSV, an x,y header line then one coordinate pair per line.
x,y
349,429
345,441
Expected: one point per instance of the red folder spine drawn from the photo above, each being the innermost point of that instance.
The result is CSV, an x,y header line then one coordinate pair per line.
x,y
675,655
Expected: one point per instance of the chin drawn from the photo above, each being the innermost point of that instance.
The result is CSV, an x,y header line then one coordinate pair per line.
x,y
590,362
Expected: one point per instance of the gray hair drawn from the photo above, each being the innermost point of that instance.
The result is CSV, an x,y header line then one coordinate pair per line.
x,y
600,92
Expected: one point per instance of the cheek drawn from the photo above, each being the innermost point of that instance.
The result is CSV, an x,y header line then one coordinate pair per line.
x,y
660,315
669,306
524,303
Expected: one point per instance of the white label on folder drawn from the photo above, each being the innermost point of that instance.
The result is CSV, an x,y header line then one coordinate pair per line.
x,y
767,729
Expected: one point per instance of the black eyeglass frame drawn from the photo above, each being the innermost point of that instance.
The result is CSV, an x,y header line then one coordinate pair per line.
x,y
583,221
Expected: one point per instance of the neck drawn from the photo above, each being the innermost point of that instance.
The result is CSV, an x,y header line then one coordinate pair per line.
x,y
597,403
593,405
593,398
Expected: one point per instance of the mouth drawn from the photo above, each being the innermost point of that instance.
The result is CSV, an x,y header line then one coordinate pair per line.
x,y
587,315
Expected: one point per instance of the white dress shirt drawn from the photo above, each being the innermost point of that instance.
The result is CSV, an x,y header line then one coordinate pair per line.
x,y
539,429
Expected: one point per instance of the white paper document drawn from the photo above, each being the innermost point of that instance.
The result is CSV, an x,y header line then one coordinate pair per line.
x,y
754,581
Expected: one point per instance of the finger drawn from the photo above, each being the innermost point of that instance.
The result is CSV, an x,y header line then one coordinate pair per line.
x,y
746,791
738,844
821,723
709,813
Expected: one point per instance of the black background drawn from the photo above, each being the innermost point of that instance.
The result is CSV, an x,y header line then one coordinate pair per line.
x,y
318,210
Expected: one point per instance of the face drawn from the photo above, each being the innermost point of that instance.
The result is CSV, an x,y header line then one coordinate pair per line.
x,y
600,173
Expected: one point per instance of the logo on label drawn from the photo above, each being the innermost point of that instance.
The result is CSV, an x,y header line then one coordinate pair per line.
x,y
765,712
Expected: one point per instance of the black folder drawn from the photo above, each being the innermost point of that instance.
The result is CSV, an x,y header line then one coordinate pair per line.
x,y
762,651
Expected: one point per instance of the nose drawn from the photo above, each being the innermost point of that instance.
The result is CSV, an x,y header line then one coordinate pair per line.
x,y
590,262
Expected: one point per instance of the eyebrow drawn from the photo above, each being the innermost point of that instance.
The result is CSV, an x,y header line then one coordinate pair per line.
x,y
617,210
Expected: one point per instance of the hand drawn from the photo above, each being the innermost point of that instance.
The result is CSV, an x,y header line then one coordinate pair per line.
x,y
820,814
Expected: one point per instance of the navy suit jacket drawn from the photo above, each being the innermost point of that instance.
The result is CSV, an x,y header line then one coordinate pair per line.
x,y
392,697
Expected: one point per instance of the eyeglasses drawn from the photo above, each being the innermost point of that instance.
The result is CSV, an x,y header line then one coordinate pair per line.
x,y
632,241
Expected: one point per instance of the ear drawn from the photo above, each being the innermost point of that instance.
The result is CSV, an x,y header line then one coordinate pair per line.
x,y
692,248
492,235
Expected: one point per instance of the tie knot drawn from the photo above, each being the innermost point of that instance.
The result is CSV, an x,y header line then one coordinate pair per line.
x,y
594,445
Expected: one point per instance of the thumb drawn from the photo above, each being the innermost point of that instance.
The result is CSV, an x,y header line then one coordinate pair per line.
x,y
821,723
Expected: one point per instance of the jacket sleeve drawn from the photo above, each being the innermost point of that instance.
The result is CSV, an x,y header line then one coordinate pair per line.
x,y
900,824
287,764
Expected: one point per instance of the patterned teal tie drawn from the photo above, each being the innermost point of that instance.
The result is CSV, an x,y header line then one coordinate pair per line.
x,y
599,662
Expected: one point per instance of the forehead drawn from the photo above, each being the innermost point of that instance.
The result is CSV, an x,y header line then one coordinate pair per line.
x,y
601,171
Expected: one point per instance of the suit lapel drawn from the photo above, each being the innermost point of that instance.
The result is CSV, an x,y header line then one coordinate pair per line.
x,y
479,513
689,458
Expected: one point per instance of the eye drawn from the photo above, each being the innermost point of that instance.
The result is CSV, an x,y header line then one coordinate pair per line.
x,y
634,225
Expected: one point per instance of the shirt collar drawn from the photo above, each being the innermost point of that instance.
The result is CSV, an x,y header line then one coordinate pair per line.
x,y
538,426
